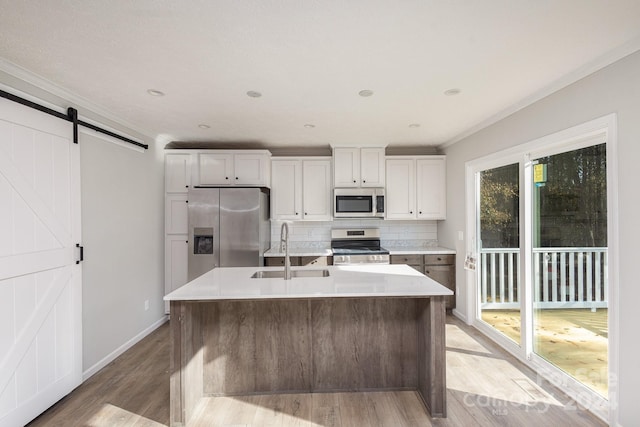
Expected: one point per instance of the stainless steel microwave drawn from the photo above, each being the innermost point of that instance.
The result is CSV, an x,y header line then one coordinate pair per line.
x,y
358,203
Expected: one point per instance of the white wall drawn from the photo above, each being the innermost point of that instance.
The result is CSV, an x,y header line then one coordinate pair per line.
x,y
614,89
122,227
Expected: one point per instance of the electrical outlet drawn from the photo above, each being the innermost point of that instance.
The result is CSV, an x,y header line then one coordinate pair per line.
x,y
146,305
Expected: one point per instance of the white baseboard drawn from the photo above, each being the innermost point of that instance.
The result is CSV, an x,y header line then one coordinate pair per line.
x,y
124,347
460,316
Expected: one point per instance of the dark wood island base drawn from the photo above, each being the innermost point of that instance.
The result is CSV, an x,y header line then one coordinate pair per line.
x,y
261,346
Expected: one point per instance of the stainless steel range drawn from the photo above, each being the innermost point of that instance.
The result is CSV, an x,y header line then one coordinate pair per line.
x,y
357,246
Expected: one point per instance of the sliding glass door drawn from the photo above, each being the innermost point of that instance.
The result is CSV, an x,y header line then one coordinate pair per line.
x,y
569,263
541,243
499,255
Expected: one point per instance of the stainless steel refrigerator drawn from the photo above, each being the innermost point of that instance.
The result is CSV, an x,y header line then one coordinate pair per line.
x,y
228,227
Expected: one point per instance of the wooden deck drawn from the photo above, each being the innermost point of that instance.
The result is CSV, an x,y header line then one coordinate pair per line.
x,y
485,386
575,340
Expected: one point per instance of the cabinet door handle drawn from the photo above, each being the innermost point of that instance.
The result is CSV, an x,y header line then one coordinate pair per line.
x,y
81,248
420,212
296,213
236,177
226,177
364,180
439,259
427,271
354,181
410,212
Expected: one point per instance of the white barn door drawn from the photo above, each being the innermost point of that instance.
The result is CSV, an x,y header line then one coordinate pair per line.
x,y
40,282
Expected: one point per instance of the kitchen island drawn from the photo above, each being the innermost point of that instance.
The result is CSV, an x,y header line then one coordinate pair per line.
x,y
361,328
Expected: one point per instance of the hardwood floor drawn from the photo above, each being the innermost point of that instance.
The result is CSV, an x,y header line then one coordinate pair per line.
x,y
399,408
486,387
133,390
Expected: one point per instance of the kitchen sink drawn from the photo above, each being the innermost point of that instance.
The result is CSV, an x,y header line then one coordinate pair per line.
x,y
279,274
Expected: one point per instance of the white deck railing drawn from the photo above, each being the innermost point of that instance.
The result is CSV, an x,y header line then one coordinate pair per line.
x,y
563,278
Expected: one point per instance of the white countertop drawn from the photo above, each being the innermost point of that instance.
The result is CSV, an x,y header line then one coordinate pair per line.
x,y
356,281
403,250
414,250
277,252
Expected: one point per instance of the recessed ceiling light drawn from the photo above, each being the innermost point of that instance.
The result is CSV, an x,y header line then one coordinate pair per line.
x,y
154,92
414,125
309,126
452,92
365,92
203,126
254,94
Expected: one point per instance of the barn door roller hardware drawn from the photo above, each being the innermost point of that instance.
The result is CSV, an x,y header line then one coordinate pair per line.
x,y
72,113
71,116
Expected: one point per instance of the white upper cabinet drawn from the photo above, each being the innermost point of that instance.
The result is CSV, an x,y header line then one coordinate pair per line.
x,y
247,168
372,167
301,189
177,172
252,169
400,192
346,167
215,169
431,201
416,187
358,167
286,189
316,190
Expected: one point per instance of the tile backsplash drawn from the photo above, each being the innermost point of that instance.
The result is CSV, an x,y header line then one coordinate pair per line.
x,y
317,234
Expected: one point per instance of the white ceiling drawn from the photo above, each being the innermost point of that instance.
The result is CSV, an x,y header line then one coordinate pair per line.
x,y
310,58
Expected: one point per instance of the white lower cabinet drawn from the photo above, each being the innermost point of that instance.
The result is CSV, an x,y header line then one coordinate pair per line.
x,y
301,189
175,263
416,187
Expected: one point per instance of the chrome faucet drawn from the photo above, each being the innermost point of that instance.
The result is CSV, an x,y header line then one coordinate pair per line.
x,y
284,246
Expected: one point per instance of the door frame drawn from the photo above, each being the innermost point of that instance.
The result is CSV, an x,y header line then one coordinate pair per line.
x,y
561,141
